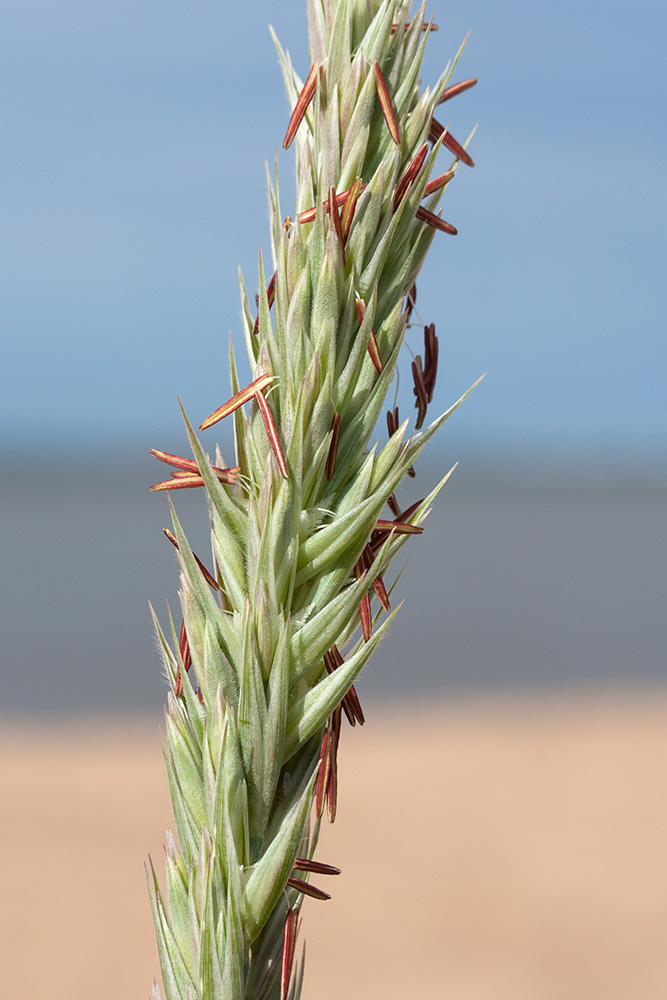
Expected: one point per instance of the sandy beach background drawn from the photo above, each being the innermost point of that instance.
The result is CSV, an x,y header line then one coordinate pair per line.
x,y
508,848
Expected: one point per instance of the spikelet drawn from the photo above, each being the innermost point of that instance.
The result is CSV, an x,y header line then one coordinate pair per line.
x,y
274,631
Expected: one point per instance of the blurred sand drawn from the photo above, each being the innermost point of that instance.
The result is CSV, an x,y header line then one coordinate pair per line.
x,y
513,849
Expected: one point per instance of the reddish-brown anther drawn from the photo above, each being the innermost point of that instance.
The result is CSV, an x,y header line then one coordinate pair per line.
x,y
350,205
188,470
365,616
385,103
392,421
322,776
436,130
419,391
317,867
306,888
350,703
301,106
435,221
333,447
397,527
409,511
425,27
372,346
392,504
308,215
335,219
211,581
184,482
430,360
457,88
368,557
270,296
238,399
410,301
184,648
438,182
272,432
200,696
355,705
289,943
332,785
365,603
410,175
374,352
178,686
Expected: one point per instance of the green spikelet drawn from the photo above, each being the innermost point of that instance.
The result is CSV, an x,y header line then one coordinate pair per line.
x,y
277,629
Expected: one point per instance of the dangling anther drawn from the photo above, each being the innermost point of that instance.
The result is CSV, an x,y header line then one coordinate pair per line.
x,y
431,219
289,943
456,88
419,391
238,399
430,360
436,130
306,888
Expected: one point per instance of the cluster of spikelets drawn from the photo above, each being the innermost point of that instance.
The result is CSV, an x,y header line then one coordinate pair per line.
x,y
276,632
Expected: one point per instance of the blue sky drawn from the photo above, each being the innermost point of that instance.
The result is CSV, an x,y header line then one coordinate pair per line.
x,y
132,185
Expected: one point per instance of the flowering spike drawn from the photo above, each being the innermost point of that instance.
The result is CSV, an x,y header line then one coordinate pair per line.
x,y
435,221
272,432
306,888
333,447
289,943
238,399
456,88
303,100
302,544
436,130
385,104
